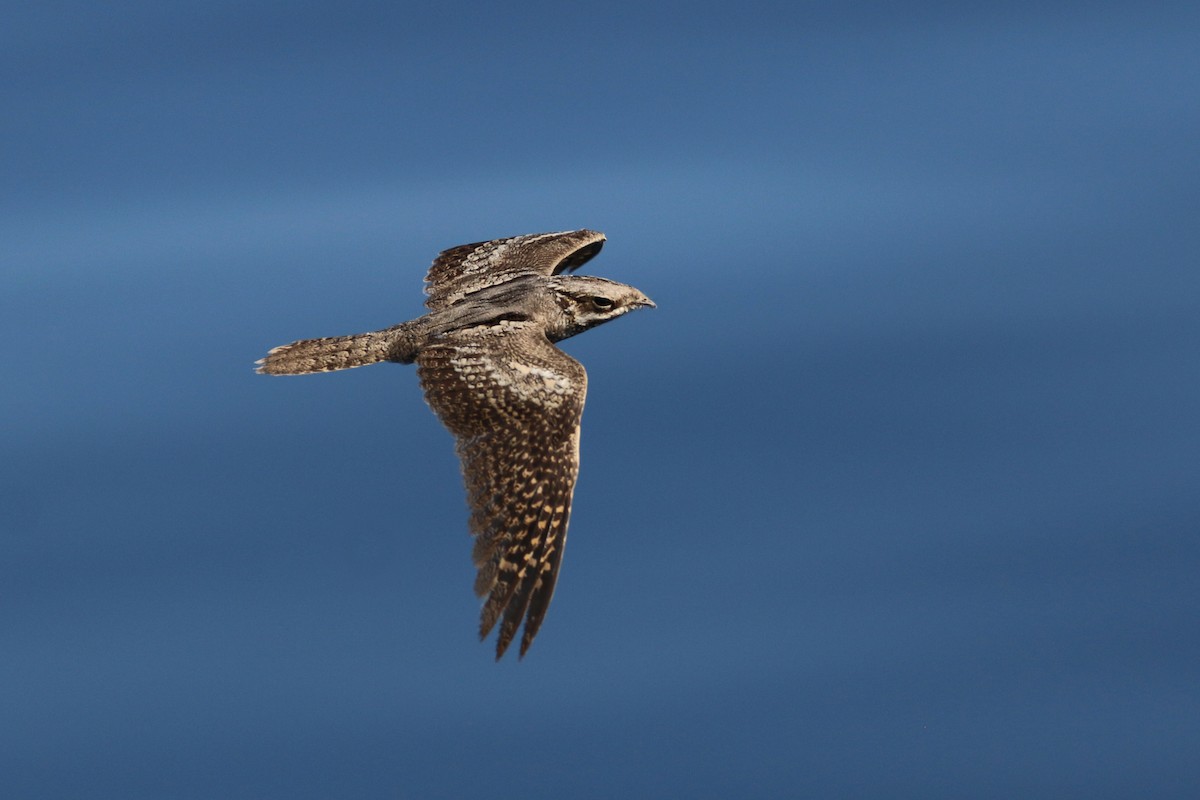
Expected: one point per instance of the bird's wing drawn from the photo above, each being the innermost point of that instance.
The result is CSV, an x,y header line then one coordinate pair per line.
x,y
513,401
469,267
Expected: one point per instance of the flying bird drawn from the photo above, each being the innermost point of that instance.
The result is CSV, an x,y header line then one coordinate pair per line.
x,y
489,369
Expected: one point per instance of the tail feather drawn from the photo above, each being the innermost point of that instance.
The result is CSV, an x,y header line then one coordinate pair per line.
x,y
337,352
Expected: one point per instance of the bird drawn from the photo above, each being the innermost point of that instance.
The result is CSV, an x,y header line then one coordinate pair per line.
x,y
489,369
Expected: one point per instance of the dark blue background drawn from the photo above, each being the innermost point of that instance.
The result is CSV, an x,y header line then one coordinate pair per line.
x,y
894,495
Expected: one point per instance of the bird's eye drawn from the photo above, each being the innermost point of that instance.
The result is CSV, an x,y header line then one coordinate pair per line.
x,y
602,303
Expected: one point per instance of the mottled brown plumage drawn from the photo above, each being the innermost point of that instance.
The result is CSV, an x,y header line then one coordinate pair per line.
x,y
489,369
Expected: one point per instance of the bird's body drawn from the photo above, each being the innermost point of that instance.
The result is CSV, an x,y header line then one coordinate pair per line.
x,y
487,362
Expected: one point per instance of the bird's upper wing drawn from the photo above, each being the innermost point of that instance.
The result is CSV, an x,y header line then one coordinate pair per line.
x,y
469,267
513,401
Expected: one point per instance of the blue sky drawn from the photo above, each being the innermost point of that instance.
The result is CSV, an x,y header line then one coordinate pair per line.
x,y
893,495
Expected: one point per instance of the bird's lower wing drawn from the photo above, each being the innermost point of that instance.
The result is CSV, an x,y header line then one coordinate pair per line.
x,y
514,402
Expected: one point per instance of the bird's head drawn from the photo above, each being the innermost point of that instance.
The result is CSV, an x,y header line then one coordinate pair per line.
x,y
586,302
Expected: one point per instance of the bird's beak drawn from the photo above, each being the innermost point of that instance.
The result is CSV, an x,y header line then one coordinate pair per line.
x,y
643,301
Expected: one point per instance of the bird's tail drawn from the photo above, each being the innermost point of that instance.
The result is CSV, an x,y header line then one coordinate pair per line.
x,y
340,352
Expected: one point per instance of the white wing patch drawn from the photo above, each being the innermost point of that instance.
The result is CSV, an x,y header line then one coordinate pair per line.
x,y
554,381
